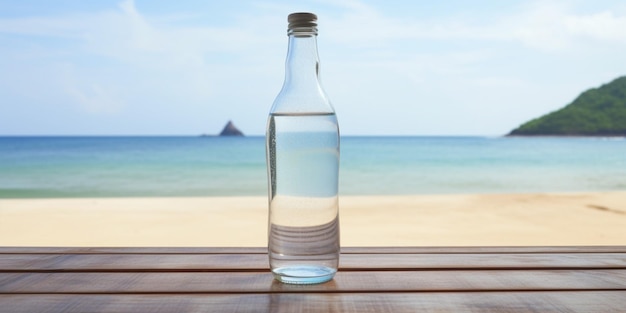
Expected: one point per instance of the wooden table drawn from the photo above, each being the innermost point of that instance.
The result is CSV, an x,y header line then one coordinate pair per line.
x,y
384,279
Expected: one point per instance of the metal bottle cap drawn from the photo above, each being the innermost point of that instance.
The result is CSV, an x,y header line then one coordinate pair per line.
x,y
302,19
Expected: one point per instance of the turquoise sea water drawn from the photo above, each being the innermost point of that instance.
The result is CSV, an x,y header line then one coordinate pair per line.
x,y
32,167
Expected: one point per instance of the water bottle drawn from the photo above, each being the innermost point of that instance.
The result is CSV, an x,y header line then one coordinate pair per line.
x,y
302,150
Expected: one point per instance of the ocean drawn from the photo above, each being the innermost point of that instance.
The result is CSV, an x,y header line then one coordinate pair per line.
x,y
40,167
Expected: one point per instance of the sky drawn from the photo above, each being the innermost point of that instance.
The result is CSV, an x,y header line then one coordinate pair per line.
x,y
162,67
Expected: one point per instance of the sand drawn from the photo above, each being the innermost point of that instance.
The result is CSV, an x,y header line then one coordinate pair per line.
x,y
597,218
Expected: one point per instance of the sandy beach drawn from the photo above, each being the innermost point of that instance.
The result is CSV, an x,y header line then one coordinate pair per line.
x,y
595,218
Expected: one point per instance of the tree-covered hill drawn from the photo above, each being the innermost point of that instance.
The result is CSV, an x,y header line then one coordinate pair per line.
x,y
596,112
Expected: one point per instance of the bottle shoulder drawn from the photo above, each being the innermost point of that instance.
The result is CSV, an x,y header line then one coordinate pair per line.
x,y
292,101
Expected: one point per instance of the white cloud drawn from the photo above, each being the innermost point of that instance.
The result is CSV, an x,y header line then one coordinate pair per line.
x,y
542,25
554,27
95,99
118,58
603,26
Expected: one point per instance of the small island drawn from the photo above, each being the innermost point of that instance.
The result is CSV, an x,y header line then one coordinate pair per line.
x,y
596,112
231,130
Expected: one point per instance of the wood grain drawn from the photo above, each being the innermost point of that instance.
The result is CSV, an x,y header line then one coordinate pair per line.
x,y
254,282
382,279
348,262
344,250
480,302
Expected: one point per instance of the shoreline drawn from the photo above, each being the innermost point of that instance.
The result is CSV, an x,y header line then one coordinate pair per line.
x,y
546,219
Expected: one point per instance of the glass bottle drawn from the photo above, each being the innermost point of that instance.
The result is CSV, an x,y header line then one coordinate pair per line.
x,y
302,150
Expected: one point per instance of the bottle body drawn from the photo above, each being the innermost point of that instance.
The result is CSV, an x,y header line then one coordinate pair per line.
x,y
303,152
302,147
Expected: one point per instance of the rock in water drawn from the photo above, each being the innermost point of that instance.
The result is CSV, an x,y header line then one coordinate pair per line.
x,y
230,130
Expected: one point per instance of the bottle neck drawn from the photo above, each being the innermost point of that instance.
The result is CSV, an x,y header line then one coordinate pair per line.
x,y
302,65
302,91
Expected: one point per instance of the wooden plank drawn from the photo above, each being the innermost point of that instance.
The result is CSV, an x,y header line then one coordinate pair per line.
x,y
488,250
366,281
348,262
483,261
132,250
546,302
133,262
344,250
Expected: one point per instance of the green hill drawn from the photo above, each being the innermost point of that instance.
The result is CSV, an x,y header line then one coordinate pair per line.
x,y
596,112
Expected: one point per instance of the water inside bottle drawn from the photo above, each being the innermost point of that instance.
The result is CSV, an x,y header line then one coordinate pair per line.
x,y
303,152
